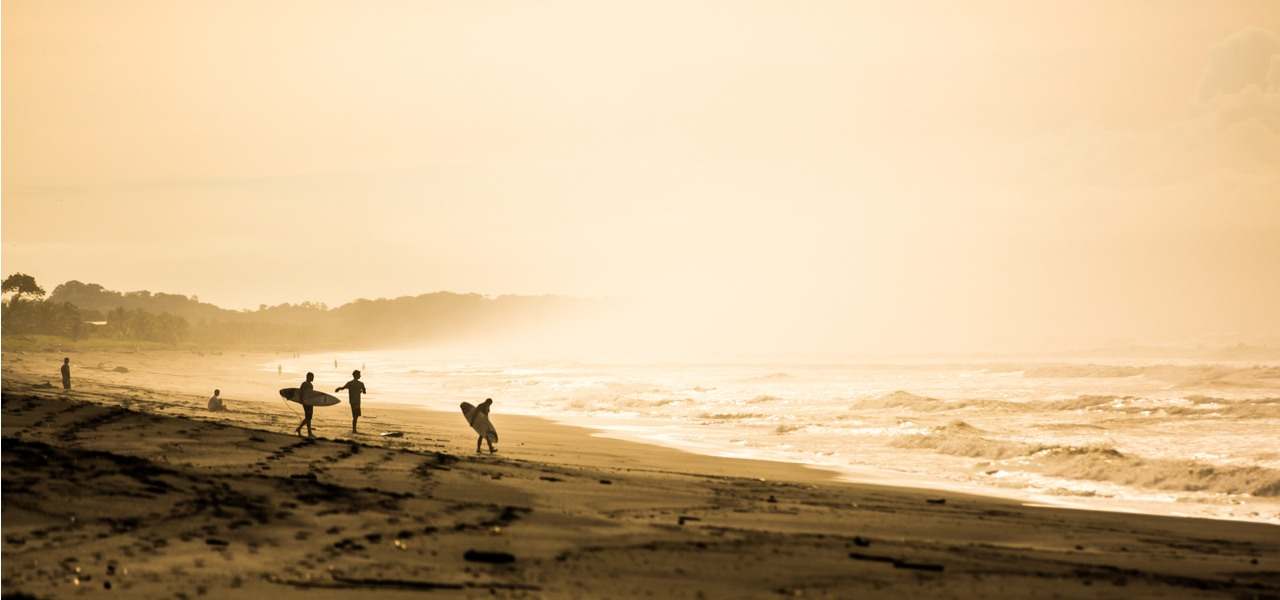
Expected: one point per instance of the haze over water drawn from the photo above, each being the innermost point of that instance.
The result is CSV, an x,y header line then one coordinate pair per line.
x,y
1177,437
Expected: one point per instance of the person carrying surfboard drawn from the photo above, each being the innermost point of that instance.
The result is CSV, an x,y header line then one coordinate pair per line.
x,y
354,388
478,418
307,410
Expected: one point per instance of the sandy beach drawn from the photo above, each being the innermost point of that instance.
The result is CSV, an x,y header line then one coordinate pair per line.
x,y
127,485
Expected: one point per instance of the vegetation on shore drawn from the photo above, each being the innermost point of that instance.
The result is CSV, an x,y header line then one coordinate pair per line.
x,y
75,313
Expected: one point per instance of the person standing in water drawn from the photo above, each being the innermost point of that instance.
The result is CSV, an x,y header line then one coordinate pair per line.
x,y
304,391
354,388
66,373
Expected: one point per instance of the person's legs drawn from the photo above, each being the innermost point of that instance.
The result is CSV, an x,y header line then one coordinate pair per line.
x,y
306,420
478,439
491,450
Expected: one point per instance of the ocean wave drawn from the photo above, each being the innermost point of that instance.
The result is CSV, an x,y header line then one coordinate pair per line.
x,y
1168,475
777,376
959,438
900,399
731,416
1070,370
1097,463
1195,405
1184,376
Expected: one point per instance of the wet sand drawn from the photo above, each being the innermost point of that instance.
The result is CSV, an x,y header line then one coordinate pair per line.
x,y
126,485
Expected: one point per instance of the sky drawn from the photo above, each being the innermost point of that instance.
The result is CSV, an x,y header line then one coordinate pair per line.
x,y
818,176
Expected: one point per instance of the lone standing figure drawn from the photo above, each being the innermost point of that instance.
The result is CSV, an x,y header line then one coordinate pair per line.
x,y
66,373
354,388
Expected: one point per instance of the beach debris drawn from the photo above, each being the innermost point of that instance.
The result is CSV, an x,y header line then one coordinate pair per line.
x,y
936,500
898,563
42,386
871,557
682,519
771,499
861,542
934,567
349,545
392,434
551,479
493,558
606,482
216,542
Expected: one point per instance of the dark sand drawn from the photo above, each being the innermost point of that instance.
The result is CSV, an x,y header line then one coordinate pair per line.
x,y
127,482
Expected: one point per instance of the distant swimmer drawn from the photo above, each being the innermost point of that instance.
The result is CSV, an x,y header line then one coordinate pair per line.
x,y
66,373
354,388
478,419
304,390
215,401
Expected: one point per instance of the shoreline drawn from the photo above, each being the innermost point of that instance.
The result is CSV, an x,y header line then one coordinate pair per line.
x,y
178,371
140,487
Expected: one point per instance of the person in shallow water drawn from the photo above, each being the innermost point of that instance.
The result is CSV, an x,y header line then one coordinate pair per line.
x,y
66,373
304,391
215,401
354,388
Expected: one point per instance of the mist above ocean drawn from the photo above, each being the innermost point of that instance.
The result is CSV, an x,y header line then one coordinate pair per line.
x,y
1172,438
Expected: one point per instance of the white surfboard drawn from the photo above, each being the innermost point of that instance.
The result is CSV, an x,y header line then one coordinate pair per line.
x,y
314,398
479,421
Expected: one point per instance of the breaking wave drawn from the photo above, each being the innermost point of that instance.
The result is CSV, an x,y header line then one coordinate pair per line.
x,y
1098,463
1196,405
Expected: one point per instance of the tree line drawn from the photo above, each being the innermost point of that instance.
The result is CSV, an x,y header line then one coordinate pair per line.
x,y
78,310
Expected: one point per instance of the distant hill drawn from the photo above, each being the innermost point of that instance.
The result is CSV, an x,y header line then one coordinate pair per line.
x,y
438,316
94,297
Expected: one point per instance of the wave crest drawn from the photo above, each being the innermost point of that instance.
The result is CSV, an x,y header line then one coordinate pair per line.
x,y
1098,463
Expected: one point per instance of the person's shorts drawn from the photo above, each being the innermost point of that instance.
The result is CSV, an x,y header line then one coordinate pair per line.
x,y
355,408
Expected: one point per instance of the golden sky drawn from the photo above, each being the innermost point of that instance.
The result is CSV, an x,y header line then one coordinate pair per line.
x,y
817,175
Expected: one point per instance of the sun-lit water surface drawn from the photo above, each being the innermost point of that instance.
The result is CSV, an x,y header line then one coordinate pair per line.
x,y
1169,437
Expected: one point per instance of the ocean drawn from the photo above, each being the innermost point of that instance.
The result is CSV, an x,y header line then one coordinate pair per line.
x,y
1165,437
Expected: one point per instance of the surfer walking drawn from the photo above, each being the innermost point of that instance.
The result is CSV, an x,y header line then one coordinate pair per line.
x,y
354,388
304,390
478,419
66,373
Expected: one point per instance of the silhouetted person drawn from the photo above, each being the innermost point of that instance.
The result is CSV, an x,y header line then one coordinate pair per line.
x,y
66,373
304,392
354,388
215,401
483,408
279,369
335,363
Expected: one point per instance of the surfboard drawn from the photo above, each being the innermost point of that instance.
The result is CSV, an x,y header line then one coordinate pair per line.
x,y
314,398
479,421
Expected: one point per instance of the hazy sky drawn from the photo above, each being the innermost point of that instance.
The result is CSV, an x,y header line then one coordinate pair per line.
x,y
804,175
